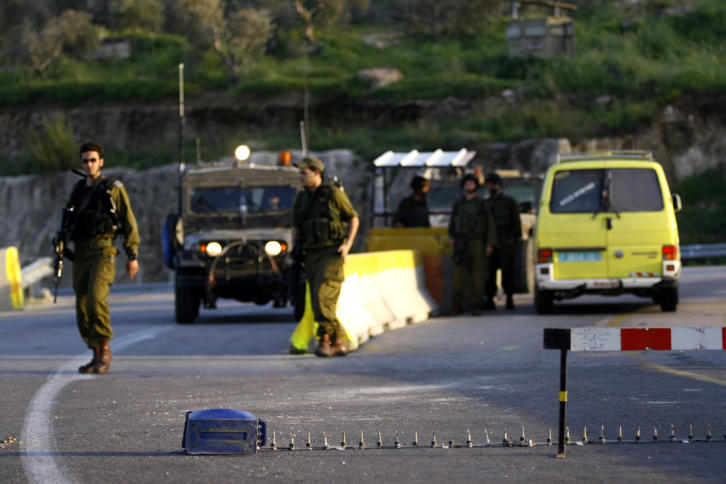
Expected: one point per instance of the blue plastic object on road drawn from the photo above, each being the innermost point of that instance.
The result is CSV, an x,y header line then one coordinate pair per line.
x,y
223,431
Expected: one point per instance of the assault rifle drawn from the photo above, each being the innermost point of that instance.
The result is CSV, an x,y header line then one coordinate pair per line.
x,y
61,249
60,242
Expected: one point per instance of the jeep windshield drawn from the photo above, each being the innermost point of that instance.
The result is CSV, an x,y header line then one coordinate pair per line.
x,y
245,200
610,190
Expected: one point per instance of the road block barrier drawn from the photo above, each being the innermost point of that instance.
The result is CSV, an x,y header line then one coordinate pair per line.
x,y
624,339
381,291
11,290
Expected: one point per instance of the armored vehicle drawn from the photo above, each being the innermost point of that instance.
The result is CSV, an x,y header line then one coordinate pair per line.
x,y
233,238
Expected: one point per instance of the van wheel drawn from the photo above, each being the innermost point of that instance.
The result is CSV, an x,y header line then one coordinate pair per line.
x,y
544,301
668,299
524,267
186,304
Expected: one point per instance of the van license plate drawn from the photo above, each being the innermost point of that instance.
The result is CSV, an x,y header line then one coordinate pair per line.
x,y
579,256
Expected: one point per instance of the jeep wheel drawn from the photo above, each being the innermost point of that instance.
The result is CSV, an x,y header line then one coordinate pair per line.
x,y
524,267
543,301
668,299
186,304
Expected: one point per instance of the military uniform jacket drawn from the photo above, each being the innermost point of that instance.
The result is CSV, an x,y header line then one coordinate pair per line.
x,y
321,218
412,212
471,219
103,211
505,211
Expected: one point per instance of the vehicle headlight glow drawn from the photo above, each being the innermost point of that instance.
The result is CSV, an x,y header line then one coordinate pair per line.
x,y
213,249
273,248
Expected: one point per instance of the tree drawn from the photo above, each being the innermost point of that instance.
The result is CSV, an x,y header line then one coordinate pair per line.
x,y
72,32
138,14
236,41
324,13
52,147
449,17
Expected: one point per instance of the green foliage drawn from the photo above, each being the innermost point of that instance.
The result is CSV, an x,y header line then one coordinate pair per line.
x,y
704,208
53,147
138,14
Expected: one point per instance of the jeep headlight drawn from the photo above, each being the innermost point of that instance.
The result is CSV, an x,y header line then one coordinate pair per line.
x,y
212,249
273,248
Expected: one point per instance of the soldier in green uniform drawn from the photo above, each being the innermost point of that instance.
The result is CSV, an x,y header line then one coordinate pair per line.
x,y
100,210
505,211
325,223
473,236
413,210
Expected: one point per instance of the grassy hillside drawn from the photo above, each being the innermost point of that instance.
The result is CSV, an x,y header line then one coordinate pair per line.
x,y
642,58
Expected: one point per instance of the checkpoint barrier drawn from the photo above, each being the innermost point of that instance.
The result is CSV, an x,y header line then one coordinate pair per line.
x,y
432,243
381,291
624,339
11,290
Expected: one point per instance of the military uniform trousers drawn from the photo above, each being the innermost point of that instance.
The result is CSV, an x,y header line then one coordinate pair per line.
x,y
93,273
471,267
324,271
502,258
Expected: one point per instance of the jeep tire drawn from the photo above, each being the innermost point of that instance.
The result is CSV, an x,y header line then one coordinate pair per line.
x,y
186,303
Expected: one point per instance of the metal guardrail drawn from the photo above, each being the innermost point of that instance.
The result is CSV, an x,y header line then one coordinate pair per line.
x,y
703,251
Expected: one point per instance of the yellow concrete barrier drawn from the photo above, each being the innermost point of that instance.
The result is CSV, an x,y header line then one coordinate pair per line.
x,y
11,290
381,291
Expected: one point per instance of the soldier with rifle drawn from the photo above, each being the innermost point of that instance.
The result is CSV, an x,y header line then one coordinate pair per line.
x,y
97,211
472,236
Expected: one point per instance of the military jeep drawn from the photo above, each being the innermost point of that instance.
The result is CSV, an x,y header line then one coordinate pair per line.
x,y
233,238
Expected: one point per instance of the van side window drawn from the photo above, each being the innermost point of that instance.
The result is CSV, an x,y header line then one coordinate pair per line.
x,y
577,191
634,190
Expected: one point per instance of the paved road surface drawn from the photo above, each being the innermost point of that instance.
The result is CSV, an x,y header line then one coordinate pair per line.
x,y
446,375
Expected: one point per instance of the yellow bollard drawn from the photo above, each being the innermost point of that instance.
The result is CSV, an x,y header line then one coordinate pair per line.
x,y
306,327
11,289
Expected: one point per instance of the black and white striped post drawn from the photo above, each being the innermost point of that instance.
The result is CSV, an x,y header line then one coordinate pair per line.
x,y
624,339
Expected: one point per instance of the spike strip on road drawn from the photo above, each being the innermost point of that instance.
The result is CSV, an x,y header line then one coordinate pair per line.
x,y
506,442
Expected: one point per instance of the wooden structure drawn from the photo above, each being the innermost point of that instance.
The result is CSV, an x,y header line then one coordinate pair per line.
x,y
541,36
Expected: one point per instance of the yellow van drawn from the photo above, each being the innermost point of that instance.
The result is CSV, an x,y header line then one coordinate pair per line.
x,y
607,225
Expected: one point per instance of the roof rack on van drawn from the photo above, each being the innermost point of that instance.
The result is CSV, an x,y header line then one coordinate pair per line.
x,y
627,154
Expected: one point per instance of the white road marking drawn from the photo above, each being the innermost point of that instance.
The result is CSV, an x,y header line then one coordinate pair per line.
x,y
38,445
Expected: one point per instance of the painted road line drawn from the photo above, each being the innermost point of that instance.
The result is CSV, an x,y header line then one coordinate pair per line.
x,y
38,447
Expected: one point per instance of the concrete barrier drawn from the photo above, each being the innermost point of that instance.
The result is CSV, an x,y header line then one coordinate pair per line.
x,y
11,290
381,291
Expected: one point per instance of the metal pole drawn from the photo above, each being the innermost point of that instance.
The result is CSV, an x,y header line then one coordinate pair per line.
x,y
181,135
563,403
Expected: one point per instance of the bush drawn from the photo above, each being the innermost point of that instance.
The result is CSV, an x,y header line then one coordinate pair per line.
x,y
53,147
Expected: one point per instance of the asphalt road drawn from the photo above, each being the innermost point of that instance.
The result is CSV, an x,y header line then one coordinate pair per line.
x,y
444,376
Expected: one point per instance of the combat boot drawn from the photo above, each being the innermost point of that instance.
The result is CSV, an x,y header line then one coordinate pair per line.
x,y
510,301
103,363
339,348
88,367
324,348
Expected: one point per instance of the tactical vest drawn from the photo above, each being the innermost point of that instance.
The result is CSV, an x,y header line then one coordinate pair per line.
x,y
321,224
467,224
94,211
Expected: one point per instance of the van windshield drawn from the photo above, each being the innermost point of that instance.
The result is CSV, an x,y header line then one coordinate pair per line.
x,y
613,190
